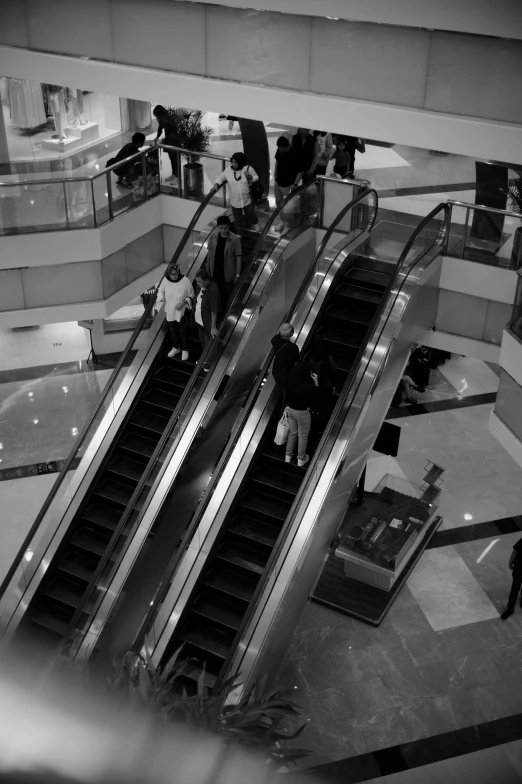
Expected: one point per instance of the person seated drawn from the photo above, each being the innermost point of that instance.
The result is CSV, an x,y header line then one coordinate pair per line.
x,y
128,172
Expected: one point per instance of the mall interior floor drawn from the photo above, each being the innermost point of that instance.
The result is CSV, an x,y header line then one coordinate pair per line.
x,y
440,676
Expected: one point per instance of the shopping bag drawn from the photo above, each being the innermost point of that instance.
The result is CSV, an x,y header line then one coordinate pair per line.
x,y
283,428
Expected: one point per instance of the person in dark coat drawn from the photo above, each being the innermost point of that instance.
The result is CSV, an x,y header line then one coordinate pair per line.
x,y
419,367
167,127
325,367
353,144
307,150
286,355
224,256
207,309
301,400
515,564
131,169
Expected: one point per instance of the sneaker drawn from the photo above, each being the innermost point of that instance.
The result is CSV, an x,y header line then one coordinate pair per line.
x,y
304,461
206,367
173,352
288,458
506,614
257,228
184,355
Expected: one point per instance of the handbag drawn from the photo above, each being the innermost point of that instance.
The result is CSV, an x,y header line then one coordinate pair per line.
x,y
283,428
257,192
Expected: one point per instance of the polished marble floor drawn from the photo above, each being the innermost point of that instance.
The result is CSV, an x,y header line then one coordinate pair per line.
x,y
442,662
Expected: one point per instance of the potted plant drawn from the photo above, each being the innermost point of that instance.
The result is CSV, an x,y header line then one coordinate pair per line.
x,y
194,137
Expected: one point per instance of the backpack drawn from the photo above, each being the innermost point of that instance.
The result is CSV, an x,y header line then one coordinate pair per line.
x,y
257,192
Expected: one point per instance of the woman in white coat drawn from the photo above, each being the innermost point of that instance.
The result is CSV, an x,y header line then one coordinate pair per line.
x,y
239,176
177,292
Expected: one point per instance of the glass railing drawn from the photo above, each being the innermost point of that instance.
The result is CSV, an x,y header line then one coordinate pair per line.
x,y
184,424
53,515
485,234
49,204
515,325
356,217
426,244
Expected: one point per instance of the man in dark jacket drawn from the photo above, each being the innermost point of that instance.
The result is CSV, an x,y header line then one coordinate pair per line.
x,y
224,259
206,311
306,149
128,172
285,357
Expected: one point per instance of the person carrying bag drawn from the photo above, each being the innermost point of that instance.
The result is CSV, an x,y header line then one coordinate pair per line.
x,y
283,428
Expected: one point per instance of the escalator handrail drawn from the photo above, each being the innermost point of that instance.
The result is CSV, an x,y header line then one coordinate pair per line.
x,y
101,400
340,403
185,396
238,427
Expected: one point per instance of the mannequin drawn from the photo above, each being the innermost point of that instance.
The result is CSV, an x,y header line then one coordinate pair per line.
x,y
57,104
76,97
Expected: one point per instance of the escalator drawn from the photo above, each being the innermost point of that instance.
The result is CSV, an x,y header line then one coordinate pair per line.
x,y
49,615
218,605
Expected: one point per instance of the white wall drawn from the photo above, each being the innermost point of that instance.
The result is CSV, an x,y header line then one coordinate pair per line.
x,y
460,345
478,280
508,439
511,357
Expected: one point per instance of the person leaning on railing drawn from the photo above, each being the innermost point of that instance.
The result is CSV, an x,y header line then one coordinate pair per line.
x,y
128,172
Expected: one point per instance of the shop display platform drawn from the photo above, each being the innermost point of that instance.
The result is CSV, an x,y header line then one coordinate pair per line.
x,y
365,602
76,137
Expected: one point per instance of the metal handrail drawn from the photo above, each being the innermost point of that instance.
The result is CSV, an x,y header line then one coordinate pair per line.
x,y
67,465
172,566
469,206
352,377
186,395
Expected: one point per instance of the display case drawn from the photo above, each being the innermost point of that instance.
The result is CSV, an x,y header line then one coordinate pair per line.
x,y
377,537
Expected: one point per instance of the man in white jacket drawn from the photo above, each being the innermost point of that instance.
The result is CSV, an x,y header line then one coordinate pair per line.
x,y
177,292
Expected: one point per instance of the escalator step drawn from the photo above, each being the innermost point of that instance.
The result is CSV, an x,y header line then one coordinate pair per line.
x,y
373,280
247,529
124,467
153,423
176,378
369,263
249,558
351,315
138,445
219,610
65,592
360,294
100,514
114,491
90,541
264,505
270,478
226,582
162,400
346,338
52,619
207,638
79,565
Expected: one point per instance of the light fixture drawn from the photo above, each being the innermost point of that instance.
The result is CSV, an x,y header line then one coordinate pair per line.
x,y
1,446
74,431
467,516
32,201
35,421
28,555
65,389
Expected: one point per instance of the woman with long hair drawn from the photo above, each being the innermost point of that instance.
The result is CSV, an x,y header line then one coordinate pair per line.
x,y
239,176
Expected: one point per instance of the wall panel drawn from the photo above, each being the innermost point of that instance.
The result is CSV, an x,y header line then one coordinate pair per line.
x,y
461,314
475,76
11,290
497,316
160,34
13,25
71,27
508,404
254,46
62,284
372,62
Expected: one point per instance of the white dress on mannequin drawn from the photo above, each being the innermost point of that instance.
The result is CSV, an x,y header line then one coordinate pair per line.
x,y
27,104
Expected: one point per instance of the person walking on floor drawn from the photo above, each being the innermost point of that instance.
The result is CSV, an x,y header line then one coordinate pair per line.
x,y
167,127
206,311
306,148
287,173
239,176
353,144
224,259
177,292
341,156
515,564
324,151
302,396
285,357
128,172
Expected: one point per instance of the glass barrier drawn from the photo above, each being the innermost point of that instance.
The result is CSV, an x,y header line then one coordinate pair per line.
x,y
52,515
515,325
295,209
427,241
49,204
509,402
293,212
485,234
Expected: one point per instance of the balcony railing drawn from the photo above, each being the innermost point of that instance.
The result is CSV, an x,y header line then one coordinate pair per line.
x,y
485,235
48,204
